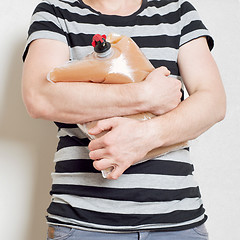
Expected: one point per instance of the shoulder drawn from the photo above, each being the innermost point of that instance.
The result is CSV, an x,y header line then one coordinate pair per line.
x,y
169,10
163,2
164,5
168,3
60,3
58,8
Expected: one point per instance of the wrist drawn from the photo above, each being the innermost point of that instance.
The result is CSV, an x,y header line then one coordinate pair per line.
x,y
156,132
143,97
151,134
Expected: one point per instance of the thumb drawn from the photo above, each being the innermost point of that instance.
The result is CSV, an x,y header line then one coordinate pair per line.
x,y
163,70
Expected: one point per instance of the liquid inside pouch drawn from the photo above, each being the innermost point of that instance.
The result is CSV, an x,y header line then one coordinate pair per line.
x,y
115,60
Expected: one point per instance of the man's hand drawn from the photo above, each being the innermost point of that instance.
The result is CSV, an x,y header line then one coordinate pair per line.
x,y
73,102
125,144
163,93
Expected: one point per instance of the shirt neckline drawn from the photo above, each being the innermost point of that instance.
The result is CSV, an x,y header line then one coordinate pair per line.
x,y
117,17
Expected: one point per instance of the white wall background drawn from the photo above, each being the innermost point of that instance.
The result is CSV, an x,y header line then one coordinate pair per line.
x,y
27,146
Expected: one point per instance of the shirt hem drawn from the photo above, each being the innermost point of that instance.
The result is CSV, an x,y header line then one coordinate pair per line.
x,y
156,229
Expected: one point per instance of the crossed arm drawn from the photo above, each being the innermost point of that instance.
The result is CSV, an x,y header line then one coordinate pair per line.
x,y
82,102
76,102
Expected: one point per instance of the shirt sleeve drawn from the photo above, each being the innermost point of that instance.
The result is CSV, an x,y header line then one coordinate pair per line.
x,y
191,25
45,24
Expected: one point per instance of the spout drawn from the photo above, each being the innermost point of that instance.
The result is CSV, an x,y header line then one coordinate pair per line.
x,y
100,44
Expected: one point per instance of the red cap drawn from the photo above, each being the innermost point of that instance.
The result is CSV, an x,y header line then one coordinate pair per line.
x,y
97,38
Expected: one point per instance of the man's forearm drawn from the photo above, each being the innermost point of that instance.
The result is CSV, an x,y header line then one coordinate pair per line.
x,y
76,102
189,120
71,103
120,149
206,104
83,102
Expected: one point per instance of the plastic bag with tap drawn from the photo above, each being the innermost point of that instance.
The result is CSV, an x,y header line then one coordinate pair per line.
x,y
116,59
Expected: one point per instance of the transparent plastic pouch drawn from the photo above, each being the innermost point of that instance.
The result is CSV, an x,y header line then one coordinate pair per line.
x,y
115,60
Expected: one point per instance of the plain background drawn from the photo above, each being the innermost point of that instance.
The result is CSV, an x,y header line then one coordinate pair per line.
x,y
27,146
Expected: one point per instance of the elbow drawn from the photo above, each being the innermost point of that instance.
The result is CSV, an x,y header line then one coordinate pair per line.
x,y
36,106
34,111
31,107
222,114
221,109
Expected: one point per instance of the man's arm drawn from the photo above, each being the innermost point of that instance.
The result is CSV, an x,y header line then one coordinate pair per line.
x,y
204,107
206,104
83,102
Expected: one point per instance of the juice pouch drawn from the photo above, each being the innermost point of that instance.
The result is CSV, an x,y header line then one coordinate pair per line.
x,y
115,59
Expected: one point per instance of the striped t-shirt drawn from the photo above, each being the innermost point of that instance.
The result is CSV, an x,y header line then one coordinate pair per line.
x,y
159,194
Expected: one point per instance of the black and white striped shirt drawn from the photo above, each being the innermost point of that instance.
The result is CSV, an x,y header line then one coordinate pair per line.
x,y
160,194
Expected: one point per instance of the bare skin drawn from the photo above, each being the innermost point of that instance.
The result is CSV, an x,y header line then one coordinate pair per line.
x,y
115,7
69,103
205,106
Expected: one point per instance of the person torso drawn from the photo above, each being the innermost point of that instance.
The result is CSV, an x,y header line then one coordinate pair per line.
x,y
158,194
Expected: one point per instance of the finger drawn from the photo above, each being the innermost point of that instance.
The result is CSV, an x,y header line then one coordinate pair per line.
x,y
116,173
102,125
103,164
164,70
95,144
98,154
